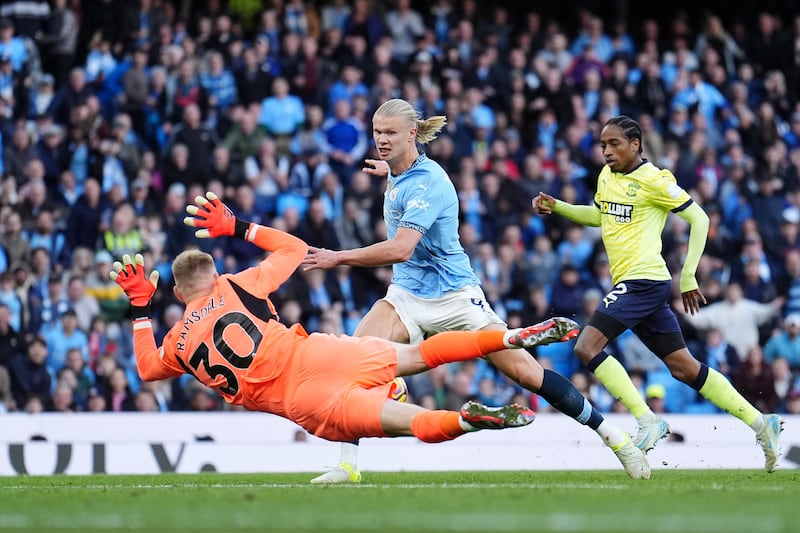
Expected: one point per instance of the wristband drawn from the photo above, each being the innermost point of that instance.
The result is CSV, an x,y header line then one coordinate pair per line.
x,y
240,229
141,311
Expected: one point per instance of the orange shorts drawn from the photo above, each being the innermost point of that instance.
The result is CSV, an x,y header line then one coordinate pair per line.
x,y
335,387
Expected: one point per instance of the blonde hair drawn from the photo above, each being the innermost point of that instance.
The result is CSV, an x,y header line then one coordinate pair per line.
x,y
188,264
427,129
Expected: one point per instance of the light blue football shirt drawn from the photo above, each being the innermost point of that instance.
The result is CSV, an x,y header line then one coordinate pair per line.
x,y
424,199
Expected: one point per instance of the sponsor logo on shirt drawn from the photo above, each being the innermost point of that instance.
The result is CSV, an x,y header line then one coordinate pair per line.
x,y
621,212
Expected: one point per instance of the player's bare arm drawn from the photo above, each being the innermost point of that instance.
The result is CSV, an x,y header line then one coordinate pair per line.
x,y
395,250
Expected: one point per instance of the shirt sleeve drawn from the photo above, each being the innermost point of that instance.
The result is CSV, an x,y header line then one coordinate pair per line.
x,y
422,203
154,363
287,253
665,192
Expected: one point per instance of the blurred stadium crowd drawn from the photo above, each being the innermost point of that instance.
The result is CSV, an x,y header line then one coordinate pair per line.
x,y
115,114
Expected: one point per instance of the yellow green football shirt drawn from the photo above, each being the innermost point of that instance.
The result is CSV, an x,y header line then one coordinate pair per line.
x,y
633,210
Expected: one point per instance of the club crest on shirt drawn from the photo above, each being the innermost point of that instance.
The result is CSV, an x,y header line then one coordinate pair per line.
x,y
393,194
633,187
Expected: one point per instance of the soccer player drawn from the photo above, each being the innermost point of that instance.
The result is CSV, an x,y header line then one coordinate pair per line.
x,y
631,205
433,288
335,387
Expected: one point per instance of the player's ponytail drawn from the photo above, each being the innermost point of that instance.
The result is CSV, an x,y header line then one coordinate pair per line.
x,y
630,128
427,129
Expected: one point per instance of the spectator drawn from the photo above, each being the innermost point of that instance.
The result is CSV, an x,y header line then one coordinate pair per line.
x,y
16,246
12,46
346,140
655,395
69,96
281,114
46,313
364,22
219,85
717,353
63,400
60,40
110,298
62,338
786,343
119,396
198,140
12,342
755,380
252,79
87,216
29,375
85,306
122,237
737,317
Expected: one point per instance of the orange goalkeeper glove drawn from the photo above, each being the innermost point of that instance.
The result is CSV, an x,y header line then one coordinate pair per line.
x,y
215,218
140,290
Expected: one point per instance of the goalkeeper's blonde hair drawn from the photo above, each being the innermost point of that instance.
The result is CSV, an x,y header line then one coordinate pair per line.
x,y
427,129
188,263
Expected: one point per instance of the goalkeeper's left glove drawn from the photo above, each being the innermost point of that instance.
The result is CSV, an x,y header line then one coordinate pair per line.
x,y
140,290
215,218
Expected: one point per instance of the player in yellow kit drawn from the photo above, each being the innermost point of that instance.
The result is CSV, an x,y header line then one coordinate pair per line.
x,y
631,205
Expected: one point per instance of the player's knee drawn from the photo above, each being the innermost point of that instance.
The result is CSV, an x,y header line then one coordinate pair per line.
x,y
682,365
685,373
529,377
584,351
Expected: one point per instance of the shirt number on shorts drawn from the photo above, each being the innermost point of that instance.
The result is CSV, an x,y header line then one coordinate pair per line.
x,y
615,293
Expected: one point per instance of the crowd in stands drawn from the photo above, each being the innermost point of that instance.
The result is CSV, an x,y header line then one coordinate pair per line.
x,y
116,114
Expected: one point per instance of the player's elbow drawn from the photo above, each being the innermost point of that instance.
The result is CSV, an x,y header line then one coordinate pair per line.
x,y
401,252
147,375
404,254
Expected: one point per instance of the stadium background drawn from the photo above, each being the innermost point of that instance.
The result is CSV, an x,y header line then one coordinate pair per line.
x,y
114,114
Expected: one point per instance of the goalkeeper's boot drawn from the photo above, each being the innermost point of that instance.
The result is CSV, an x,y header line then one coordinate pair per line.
x,y
768,437
556,329
651,430
508,416
344,473
633,460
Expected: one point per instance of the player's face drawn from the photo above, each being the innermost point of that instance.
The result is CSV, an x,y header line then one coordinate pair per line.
x,y
393,137
619,153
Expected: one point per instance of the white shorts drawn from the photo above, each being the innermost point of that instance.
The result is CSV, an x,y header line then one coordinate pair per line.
x,y
464,309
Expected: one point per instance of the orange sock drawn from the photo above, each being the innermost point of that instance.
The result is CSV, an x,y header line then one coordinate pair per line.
x,y
452,346
436,426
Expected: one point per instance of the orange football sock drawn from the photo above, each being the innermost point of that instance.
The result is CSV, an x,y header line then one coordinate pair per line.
x,y
452,346
436,426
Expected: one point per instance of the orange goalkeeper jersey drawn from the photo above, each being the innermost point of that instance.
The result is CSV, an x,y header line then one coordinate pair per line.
x,y
230,339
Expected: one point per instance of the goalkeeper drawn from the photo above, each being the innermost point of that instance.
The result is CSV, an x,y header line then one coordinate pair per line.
x,y
335,387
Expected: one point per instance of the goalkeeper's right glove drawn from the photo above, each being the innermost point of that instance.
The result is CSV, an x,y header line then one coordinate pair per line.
x,y
215,218
129,275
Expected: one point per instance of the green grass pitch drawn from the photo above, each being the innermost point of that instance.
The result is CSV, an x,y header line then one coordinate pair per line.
x,y
724,501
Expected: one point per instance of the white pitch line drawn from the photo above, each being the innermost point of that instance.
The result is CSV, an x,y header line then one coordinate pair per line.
x,y
356,486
